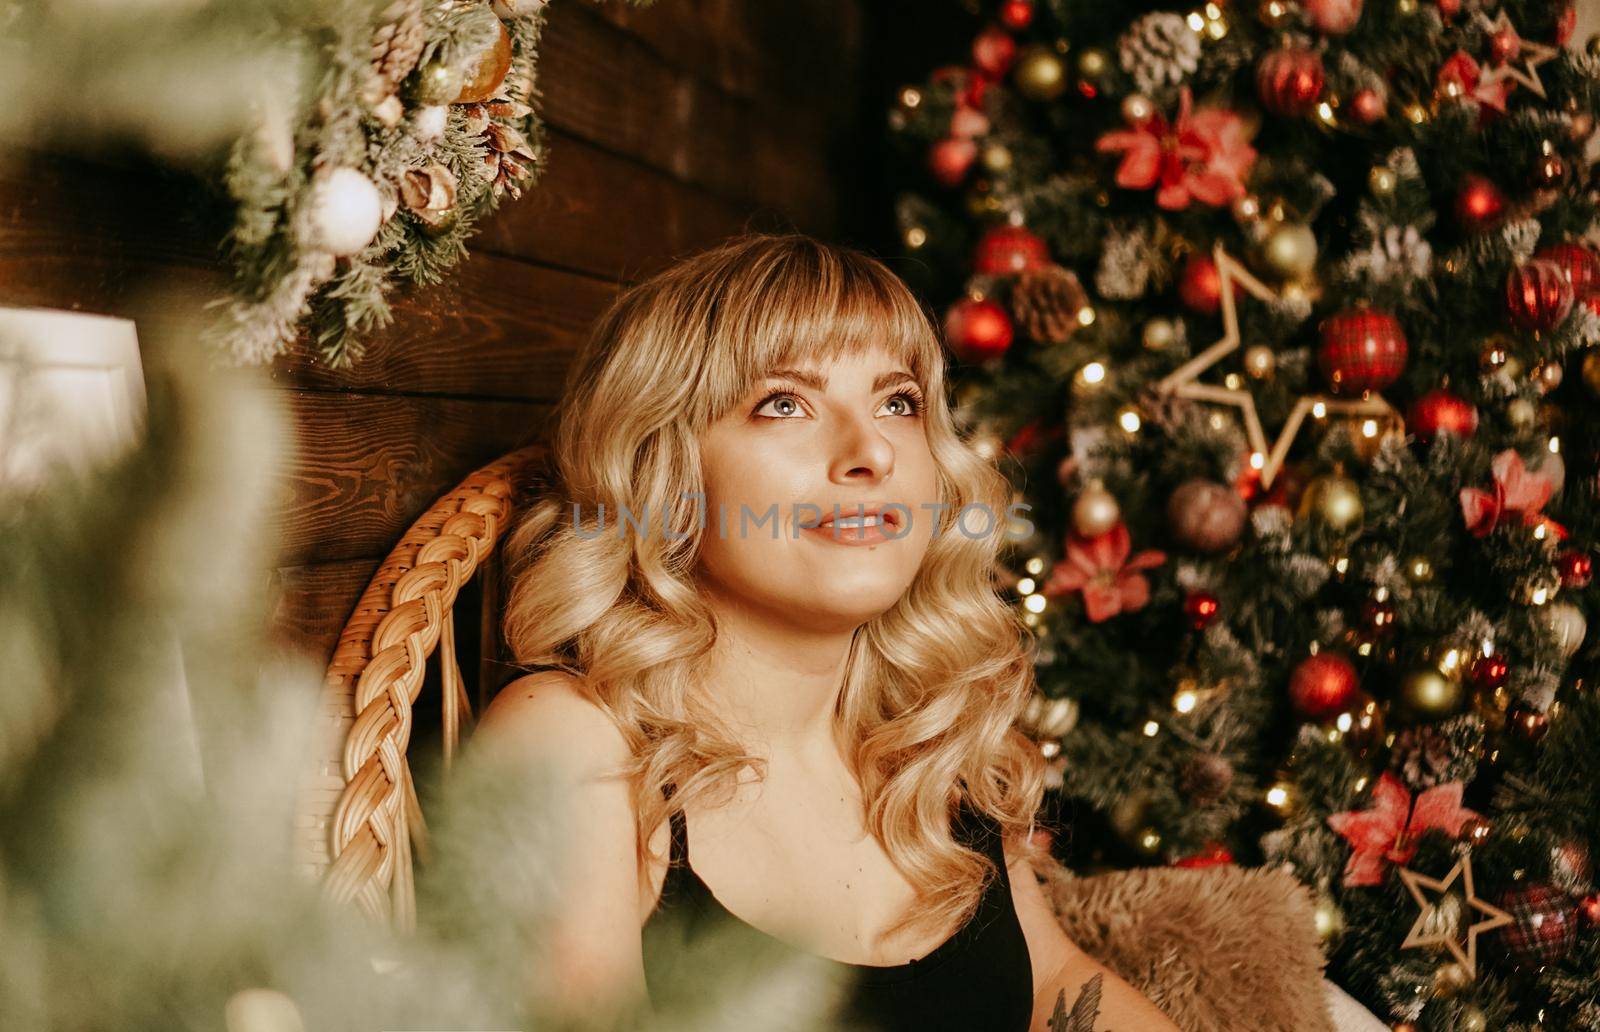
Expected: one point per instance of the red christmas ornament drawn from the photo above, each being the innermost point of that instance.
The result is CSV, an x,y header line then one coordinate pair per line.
x,y
993,51
978,329
1441,411
969,84
1479,203
1580,265
1202,608
1016,15
1215,854
1334,17
1504,45
1363,349
1289,80
1538,295
1577,568
951,159
1449,8
1322,685
1589,909
1543,924
1566,21
1490,672
1366,107
1008,250
1200,283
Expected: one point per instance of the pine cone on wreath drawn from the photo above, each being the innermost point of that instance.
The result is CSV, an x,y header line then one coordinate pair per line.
x,y
396,47
1046,301
510,157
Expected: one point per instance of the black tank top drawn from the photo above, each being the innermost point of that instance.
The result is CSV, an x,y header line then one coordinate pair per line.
x,y
978,980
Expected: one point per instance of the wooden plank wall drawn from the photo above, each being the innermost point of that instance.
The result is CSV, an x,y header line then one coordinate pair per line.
x,y
669,128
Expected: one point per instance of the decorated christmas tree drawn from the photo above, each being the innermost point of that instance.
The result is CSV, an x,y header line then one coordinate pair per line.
x,y
1283,317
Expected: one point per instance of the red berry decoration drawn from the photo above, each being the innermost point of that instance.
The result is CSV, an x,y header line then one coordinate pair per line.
x,y
1202,608
1200,284
1442,412
1215,854
1289,81
978,329
993,51
1016,15
1581,267
1363,349
951,159
1538,295
1322,685
1479,203
1490,672
1367,106
1008,250
1543,924
1577,569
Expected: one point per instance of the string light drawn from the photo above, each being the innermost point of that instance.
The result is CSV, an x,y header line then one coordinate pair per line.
x,y
1034,603
1151,728
1085,316
1025,586
1034,565
1128,419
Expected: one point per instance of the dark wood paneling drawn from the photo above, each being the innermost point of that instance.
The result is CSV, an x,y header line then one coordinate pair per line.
x,y
365,465
311,604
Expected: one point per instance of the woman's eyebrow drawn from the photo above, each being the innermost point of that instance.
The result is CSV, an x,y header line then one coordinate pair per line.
x,y
806,378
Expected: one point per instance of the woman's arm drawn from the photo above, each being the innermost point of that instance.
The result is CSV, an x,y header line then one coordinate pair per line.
x,y
1072,992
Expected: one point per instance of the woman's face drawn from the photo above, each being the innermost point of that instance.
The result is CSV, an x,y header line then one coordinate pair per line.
x,y
848,434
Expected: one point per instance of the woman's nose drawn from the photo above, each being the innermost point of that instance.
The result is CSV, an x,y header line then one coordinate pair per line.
x,y
862,452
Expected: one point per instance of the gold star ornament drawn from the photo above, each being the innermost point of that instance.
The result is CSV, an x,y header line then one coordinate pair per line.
x,y
1429,930
1184,381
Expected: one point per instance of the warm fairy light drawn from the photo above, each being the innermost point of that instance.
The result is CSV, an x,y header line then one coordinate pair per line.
x,y
1185,701
1320,410
1231,381
1150,728
1416,113
1085,316
1034,566
1277,796
1325,111
910,96
1216,421
1025,586
1538,531
1217,28
1369,428
1488,647
1344,723
1197,21
1361,782
1450,662
1213,11
916,236
1129,420
1094,372
1034,603
1342,564
1275,10
1380,593
1258,460
1149,840
1555,446
1049,748
1030,619
1364,649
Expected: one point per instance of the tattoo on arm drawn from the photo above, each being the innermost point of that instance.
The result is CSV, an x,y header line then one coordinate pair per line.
x,y
1084,1010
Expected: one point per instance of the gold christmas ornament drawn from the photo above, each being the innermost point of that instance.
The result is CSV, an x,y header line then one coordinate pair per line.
x,y
1566,626
1039,74
1092,63
1450,979
485,72
1096,511
1427,693
1522,414
436,82
1548,375
1290,250
996,157
1334,501
1184,381
1260,362
1420,937
1158,335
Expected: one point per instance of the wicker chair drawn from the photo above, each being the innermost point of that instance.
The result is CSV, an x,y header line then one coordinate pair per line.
x,y
1192,940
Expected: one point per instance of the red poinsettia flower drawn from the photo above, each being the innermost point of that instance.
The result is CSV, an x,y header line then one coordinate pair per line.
x,y
1201,155
1388,833
1100,567
1517,492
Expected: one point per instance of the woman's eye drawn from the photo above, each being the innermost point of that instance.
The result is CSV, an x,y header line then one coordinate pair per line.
x,y
788,406
910,403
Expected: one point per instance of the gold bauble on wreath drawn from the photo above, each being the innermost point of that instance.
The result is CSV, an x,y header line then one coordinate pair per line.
x,y
1589,369
1095,512
1334,501
1290,250
435,82
1039,73
1427,693
482,77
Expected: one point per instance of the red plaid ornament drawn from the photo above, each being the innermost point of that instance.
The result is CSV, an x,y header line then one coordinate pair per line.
x,y
1579,264
1363,349
1538,294
1543,924
1289,81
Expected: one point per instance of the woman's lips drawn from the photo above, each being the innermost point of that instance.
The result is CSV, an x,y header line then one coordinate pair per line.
x,y
850,528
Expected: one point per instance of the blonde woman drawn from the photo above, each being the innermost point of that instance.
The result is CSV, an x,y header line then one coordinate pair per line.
x,y
758,599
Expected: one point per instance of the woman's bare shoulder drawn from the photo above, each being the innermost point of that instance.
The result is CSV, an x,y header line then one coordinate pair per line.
x,y
552,712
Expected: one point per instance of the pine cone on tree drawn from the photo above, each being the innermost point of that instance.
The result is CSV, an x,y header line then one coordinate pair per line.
x,y
396,47
1159,50
1206,777
510,157
1431,754
1046,302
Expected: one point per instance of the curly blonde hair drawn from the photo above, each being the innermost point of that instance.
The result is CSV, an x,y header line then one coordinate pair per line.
x,y
932,687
